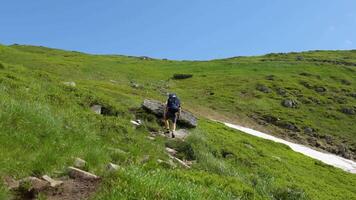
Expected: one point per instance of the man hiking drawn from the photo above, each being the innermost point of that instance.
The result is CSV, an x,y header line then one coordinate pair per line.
x,y
172,112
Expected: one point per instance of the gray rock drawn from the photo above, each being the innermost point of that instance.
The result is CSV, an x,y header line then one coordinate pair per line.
x,y
157,108
136,122
53,183
96,109
11,183
308,130
320,89
263,88
289,103
150,138
71,84
171,151
348,111
33,184
181,133
79,163
281,91
111,167
80,174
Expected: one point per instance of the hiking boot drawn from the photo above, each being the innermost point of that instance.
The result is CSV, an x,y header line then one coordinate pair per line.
x,y
173,136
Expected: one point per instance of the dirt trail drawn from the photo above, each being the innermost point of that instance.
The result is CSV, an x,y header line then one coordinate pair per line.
x,y
327,158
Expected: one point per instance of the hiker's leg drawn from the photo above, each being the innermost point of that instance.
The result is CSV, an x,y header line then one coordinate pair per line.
x,y
166,122
175,121
174,127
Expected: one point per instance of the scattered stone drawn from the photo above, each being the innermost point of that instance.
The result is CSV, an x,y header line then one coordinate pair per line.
x,y
182,76
352,95
270,77
348,111
11,183
170,151
134,84
157,108
53,183
227,154
329,139
111,167
308,130
136,122
71,84
281,91
80,163
96,109
289,103
306,84
80,174
270,119
184,164
263,88
345,82
181,134
33,184
299,58
320,89
277,158
150,138
248,146
305,74
145,159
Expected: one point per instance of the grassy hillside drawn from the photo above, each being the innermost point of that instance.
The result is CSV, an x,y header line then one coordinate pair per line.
x,y
45,124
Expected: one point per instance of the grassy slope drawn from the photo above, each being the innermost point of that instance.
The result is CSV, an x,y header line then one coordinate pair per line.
x,y
44,124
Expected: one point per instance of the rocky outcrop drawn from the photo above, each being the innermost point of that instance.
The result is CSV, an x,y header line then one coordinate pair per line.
x,y
157,108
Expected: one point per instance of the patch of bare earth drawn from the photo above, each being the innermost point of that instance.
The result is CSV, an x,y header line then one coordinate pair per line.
x,y
73,189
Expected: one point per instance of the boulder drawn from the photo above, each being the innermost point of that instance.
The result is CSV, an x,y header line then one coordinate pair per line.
x,y
80,174
181,133
157,108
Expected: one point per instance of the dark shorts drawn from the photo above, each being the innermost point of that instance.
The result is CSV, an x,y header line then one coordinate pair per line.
x,y
172,116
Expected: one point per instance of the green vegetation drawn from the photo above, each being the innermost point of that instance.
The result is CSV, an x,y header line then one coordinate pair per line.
x,y
45,124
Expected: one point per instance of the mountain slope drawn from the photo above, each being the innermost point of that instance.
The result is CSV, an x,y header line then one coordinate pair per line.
x,y
45,123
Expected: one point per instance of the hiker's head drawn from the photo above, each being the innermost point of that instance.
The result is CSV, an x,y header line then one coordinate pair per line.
x,y
172,95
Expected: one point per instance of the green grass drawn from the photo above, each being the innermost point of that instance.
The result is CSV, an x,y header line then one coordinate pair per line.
x,y
45,124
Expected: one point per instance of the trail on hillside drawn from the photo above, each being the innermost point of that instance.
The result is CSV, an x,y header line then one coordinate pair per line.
x,y
327,158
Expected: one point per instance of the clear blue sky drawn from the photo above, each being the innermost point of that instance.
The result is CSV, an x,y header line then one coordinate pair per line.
x,y
180,29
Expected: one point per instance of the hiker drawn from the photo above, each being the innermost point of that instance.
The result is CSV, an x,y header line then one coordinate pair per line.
x,y
172,112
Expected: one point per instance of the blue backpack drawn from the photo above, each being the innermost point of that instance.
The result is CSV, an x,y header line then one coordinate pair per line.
x,y
173,103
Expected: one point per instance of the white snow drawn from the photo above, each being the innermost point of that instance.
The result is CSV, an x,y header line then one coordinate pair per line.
x,y
334,160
